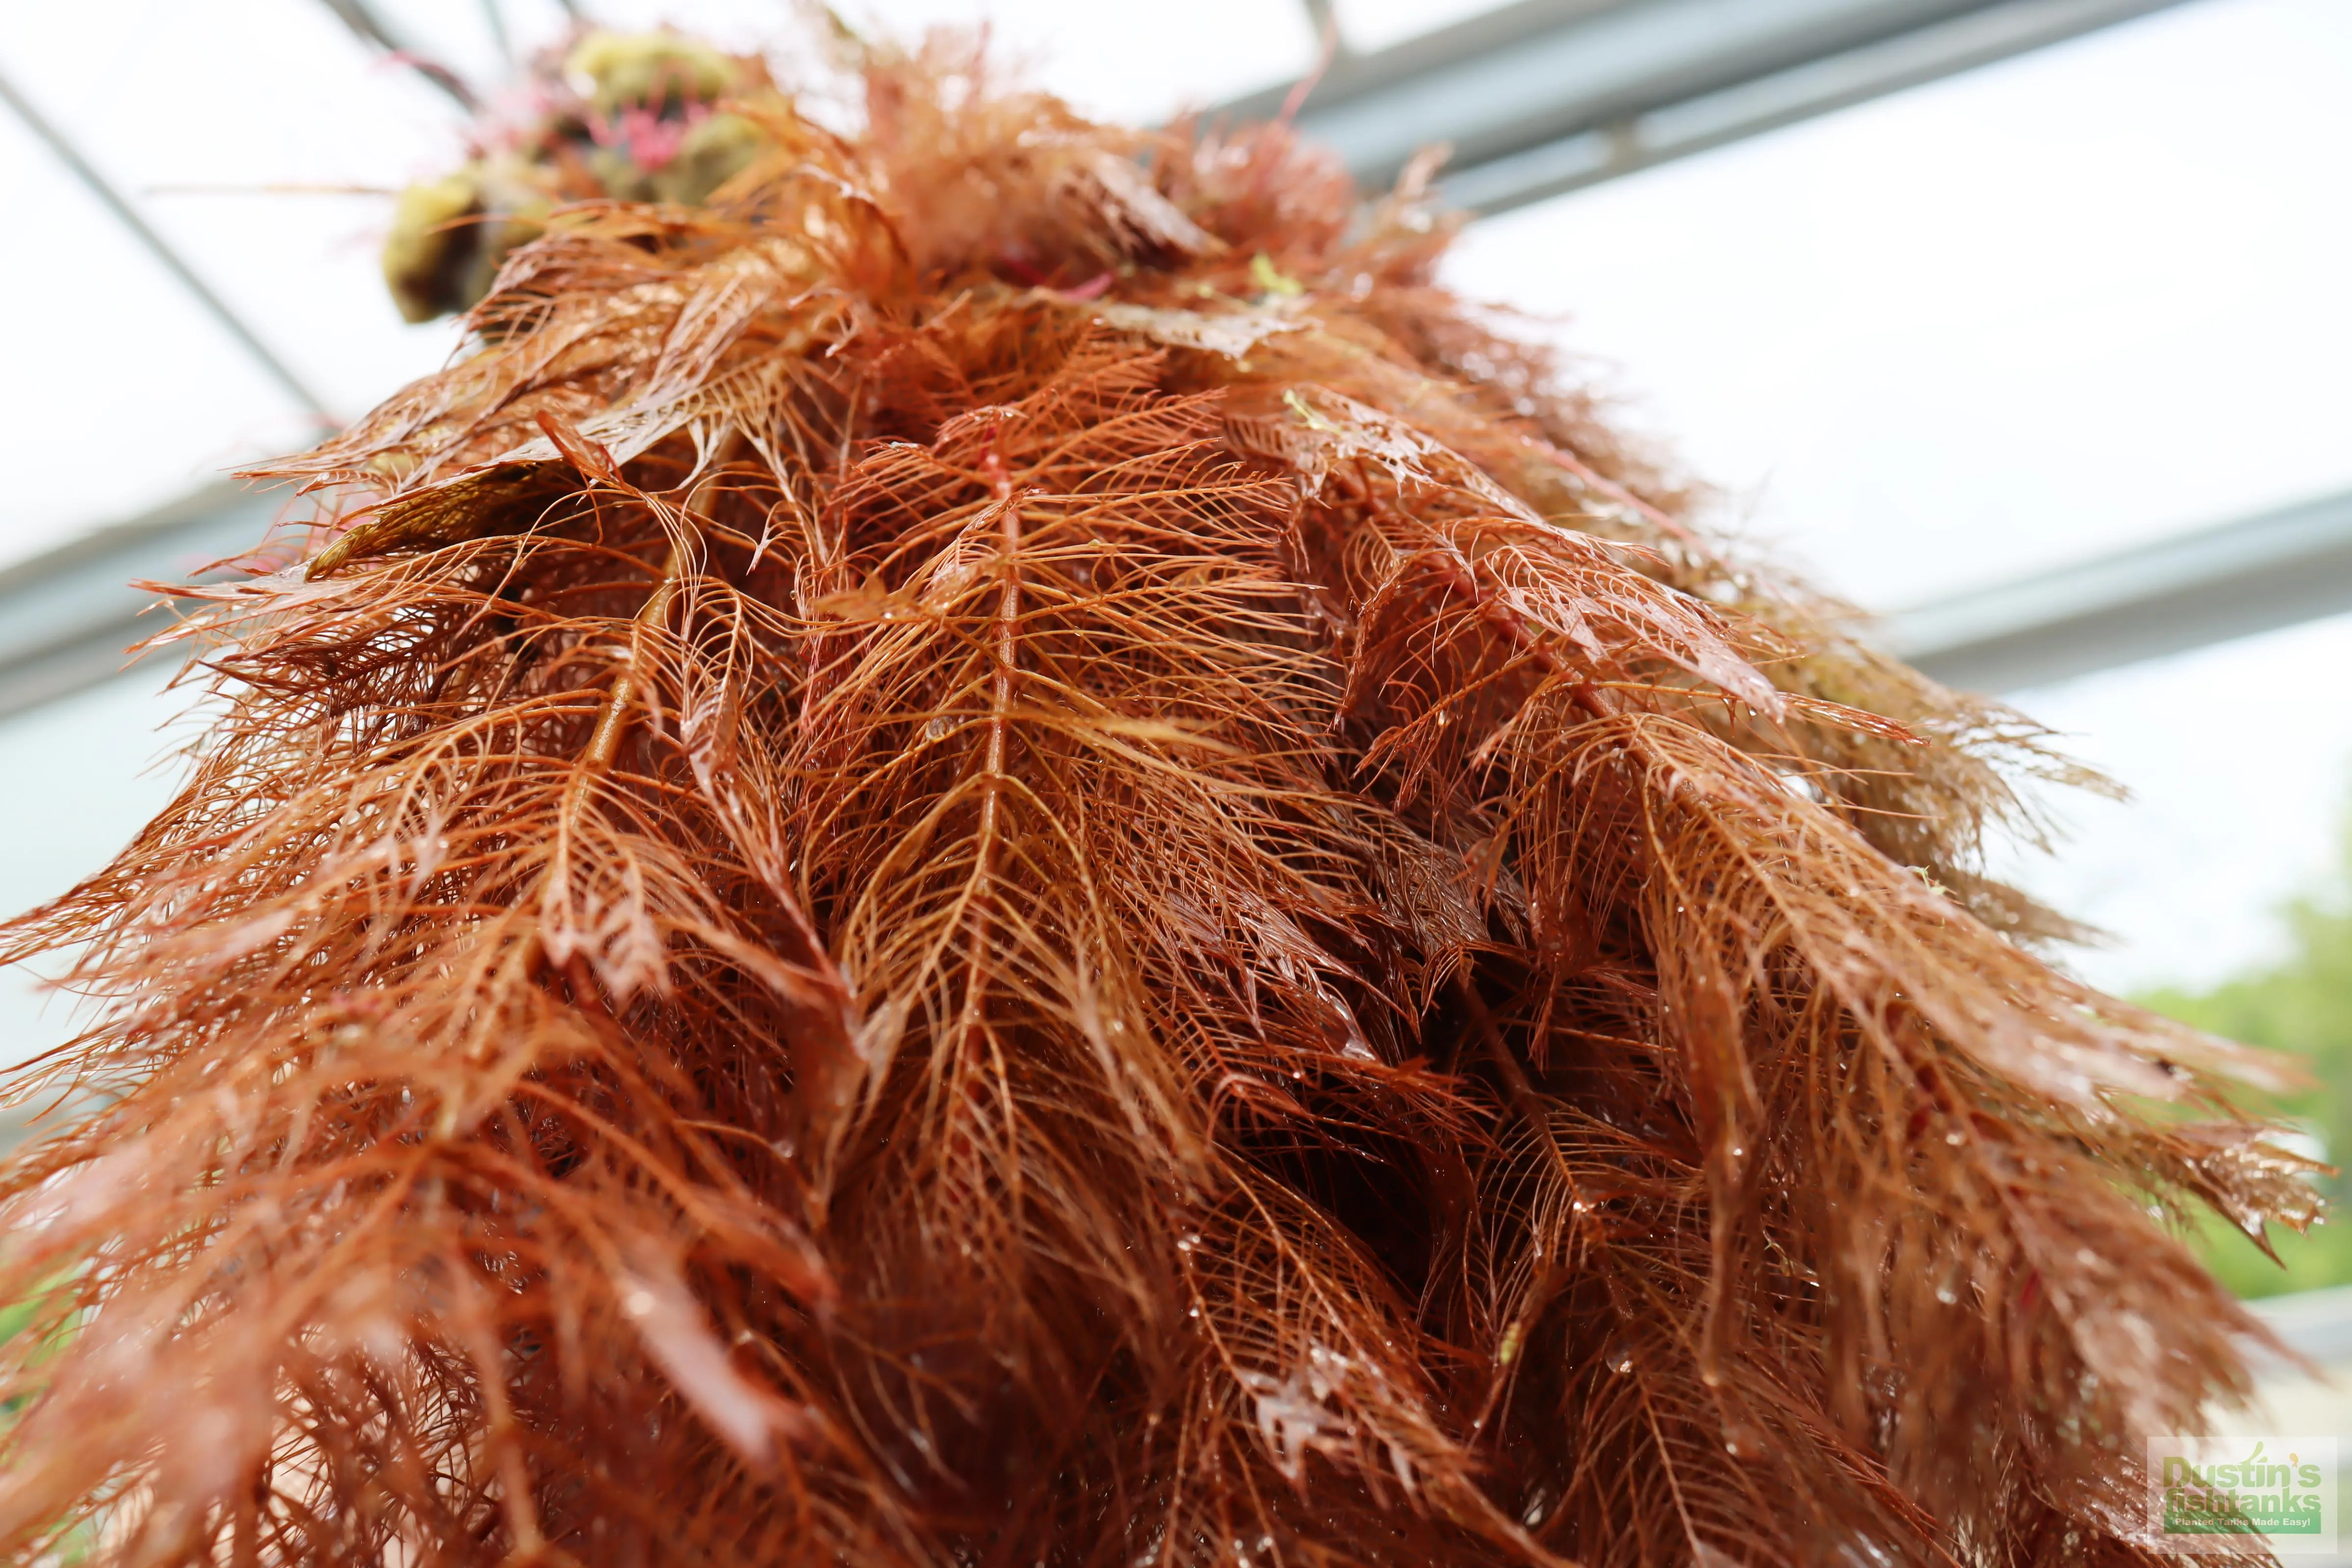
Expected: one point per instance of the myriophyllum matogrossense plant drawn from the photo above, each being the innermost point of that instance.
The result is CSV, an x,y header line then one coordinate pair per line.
x,y
1002,851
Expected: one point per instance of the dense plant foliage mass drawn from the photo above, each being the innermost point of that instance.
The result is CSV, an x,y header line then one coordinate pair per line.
x,y
1000,850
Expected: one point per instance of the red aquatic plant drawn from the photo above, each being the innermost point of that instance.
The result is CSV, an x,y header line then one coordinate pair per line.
x,y
1002,851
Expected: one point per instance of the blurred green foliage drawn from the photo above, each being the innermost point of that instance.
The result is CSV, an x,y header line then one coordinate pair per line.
x,y
2302,1005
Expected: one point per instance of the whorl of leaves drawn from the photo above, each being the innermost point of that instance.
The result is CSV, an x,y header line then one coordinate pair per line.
x,y
1006,853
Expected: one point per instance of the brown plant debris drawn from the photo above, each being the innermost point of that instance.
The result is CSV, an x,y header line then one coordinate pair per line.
x,y
1003,851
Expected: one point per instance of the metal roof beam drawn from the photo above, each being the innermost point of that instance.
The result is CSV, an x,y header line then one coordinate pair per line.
x,y
369,28
1544,97
68,618
2275,570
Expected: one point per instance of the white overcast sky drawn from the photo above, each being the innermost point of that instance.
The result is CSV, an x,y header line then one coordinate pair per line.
x,y
2011,318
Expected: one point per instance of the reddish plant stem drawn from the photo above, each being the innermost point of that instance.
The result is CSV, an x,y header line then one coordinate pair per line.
x,y
613,721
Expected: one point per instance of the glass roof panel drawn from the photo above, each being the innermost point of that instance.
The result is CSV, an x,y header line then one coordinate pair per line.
x,y
1369,25
2017,317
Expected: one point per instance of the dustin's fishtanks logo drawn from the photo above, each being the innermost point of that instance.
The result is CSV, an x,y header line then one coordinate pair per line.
x,y
2230,1497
